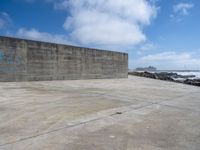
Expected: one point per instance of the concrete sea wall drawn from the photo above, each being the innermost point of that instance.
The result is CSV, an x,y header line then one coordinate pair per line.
x,y
26,60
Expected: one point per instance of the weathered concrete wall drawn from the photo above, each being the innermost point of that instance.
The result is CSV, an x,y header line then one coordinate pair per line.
x,y
26,60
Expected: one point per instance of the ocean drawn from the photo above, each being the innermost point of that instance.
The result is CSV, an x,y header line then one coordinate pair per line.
x,y
196,73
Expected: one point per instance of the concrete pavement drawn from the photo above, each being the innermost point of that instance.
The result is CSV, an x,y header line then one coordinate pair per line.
x,y
109,114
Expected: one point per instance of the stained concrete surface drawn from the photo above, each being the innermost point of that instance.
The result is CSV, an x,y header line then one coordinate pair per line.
x,y
109,114
27,60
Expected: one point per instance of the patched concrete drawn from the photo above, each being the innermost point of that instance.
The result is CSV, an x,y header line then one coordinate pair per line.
x,y
110,114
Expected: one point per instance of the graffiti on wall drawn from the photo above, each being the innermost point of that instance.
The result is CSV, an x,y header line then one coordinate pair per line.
x,y
1,55
10,62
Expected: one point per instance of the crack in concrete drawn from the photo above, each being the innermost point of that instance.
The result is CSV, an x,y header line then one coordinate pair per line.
x,y
100,118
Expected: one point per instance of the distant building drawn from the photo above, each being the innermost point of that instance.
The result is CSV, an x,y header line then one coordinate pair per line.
x,y
150,68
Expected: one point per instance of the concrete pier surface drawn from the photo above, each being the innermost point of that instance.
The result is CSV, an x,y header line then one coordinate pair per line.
x,y
109,114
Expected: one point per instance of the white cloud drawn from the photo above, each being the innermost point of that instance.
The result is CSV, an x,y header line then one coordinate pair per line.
x,y
107,23
29,1
166,56
61,5
170,60
148,46
145,48
180,11
2,23
34,34
183,8
5,20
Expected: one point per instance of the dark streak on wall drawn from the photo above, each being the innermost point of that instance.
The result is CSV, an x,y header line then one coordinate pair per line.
x,y
26,60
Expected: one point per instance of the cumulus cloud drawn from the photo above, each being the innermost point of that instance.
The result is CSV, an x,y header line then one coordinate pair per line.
x,y
170,60
43,36
107,23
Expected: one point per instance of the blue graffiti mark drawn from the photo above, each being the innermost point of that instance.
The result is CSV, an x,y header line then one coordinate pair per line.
x,y
1,55
8,69
10,60
9,57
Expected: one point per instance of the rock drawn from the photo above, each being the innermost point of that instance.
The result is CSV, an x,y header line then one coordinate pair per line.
x,y
195,82
149,75
161,76
169,77
144,74
165,76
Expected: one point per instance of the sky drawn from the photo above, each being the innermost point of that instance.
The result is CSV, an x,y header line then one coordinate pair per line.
x,y
160,33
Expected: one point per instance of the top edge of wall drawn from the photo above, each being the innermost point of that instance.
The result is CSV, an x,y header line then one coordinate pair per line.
x,y
53,43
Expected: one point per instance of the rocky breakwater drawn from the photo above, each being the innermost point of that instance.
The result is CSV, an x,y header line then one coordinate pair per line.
x,y
195,82
173,77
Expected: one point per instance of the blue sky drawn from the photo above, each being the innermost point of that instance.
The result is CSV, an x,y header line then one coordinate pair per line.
x,y
162,33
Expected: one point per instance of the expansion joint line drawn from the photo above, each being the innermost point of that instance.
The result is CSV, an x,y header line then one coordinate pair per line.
x,y
100,118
